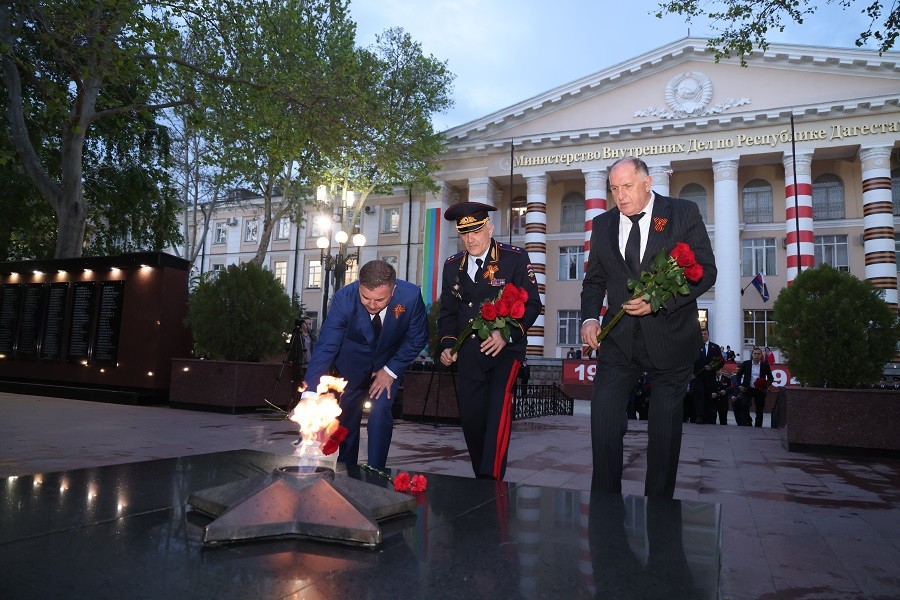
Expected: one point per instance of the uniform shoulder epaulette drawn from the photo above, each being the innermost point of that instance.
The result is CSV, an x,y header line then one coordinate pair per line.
x,y
508,248
455,256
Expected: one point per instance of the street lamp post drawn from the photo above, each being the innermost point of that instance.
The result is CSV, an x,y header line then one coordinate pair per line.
x,y
337,263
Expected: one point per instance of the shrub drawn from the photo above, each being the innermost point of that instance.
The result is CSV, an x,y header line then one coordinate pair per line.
x,y
239,313
834,329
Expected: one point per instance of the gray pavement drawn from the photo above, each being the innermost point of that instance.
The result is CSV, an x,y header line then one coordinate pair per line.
x,y
795,525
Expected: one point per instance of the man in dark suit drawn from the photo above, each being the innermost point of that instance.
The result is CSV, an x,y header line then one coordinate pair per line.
x,y
487,368
704,383
375,328
754,378
624,241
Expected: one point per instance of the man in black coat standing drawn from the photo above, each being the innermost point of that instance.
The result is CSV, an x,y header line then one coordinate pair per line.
x,y
704,384
754,378
624,241
487,368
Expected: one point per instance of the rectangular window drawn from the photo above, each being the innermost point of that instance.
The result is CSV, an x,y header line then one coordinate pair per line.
x,y
758,327
352,273
571,263
518,220
217,267
221,233
314,274
313,316
280,270
390,220
283,230
392,260
314,227
832,250
758,256
251,231
569,328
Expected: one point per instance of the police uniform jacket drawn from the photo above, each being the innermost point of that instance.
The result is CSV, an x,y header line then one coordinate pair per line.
x,y
461,301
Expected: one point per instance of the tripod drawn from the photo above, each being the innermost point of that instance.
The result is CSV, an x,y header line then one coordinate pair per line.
x,y
296,348
437,403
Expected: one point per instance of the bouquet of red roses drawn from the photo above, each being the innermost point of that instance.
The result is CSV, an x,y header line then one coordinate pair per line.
x,y
495,314
668,276
761,384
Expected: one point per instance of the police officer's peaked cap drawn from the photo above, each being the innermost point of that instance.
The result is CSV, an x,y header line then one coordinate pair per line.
x,y
469,216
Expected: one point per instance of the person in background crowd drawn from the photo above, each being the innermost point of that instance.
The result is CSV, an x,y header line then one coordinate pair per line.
x,y
729,355
487,368
703,384
769,356
570,353
754,378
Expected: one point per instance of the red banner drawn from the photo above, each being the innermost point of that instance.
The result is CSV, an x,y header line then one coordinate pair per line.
x,y
582,372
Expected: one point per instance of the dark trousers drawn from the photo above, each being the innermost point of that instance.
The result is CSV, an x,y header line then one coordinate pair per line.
x,y
380,426
609,422
486,412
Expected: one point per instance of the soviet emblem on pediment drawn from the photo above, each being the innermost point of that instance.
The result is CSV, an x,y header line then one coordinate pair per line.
x,y
689,95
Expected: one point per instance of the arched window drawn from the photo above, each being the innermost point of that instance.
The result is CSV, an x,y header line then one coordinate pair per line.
x,y
828,197
757,201
697,194
571,216
895,190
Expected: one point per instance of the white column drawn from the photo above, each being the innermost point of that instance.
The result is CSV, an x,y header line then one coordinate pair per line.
x,y
482,189
726,328
536,245
660,175
878,221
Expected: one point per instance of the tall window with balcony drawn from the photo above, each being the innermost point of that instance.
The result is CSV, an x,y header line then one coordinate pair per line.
x,y
283,229
828,198
221,235
571,216
757,201
571,263
390,219
569,333
696,194
314,274
251,230
758,256
832,250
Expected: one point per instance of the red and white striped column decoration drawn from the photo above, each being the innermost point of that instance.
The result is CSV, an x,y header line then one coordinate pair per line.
x,y
878,221
800,251
536,245
528,510
594,204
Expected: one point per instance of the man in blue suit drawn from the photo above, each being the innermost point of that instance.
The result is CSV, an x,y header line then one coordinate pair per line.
x,y
374,329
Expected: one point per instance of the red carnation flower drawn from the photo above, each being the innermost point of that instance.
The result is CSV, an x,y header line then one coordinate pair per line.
x,y
334,441
418,484
489,311
517,311
401,482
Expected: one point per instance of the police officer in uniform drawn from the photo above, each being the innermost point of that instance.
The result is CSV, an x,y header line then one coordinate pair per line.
x,y
487,368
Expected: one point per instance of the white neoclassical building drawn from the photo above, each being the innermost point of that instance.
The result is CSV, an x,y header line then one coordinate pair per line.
x,y
793,159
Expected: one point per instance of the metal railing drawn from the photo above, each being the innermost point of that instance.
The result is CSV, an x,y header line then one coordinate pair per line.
x,y
534,401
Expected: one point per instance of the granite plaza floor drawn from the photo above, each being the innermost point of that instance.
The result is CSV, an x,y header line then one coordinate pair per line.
x,y
796,525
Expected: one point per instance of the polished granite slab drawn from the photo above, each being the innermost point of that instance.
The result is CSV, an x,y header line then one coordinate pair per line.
x,y
128,531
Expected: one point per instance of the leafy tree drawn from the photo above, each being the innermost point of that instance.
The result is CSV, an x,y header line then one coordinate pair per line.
x,y
835,329
392,141
239,313
745,24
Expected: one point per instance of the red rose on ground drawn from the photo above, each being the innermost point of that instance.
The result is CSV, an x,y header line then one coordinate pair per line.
x,y
694,272
489,311
517,311
401,482
683,255
418,484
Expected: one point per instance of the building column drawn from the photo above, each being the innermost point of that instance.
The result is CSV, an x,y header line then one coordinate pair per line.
x,y
482,189
594,203
878,221
728,323
660,175
536,245
798,215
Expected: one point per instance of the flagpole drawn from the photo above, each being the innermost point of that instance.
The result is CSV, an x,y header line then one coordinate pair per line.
x,y
512,159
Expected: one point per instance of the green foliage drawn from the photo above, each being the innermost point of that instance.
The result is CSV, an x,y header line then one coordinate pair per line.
x,y
834,329
239,313
743,25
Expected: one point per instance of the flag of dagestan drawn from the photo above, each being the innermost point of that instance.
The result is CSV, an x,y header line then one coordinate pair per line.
x,y
760,284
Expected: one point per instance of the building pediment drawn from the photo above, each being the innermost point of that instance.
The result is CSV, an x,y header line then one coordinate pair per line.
x,y
680,87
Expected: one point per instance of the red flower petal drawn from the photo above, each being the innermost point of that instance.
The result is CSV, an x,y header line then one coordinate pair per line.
x,y
401,482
